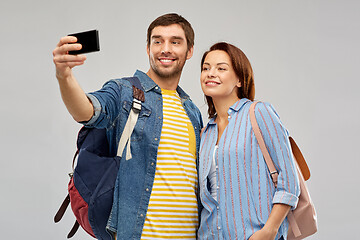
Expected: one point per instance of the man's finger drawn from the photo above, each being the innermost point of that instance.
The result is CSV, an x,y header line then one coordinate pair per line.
x,y
67,40
69,58
64,49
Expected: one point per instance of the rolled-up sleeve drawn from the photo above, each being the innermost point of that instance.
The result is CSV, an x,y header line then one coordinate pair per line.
x,y
105,102
97,109
276,138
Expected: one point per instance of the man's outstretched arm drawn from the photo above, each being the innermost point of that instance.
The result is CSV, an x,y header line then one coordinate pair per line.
x,y
75,100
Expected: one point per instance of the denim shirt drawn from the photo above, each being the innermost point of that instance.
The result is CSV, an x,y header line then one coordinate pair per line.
x,y
134,182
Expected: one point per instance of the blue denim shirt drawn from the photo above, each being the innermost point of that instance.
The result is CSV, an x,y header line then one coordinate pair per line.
x,y
134,182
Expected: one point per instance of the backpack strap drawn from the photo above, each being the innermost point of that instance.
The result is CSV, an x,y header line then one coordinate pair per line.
x,y
299,158
138,98
61,211
269,162
274,174
73,229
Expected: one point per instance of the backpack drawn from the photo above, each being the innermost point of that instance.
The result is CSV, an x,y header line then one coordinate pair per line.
x,y
92,182
303,219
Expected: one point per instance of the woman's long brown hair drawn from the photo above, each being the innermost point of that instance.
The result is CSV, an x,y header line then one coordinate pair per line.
x,y
242,68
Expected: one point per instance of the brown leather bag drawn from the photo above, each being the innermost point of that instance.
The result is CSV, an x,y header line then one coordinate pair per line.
x,y
302,220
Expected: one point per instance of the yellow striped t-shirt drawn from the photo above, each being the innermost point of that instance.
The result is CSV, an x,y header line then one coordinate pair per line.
x,y
173,212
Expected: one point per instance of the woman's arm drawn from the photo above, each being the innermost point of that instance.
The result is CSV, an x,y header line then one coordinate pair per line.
x,y
276,217
276,139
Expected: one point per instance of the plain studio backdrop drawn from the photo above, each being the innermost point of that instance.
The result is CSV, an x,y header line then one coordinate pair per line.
x,y
305,55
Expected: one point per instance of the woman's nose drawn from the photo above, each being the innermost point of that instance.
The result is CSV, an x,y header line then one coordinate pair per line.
x,y
211,73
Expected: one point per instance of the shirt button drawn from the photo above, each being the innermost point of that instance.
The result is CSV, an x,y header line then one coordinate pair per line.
x,y
229,117
141,215
152,164
156,139
147,189
217,207
156,87
217,187
219,228
159,117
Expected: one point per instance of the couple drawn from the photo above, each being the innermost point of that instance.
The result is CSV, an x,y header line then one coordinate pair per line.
x,y
178,186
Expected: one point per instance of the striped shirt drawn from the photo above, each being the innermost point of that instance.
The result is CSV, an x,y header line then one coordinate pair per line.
x,y
245,192
173,211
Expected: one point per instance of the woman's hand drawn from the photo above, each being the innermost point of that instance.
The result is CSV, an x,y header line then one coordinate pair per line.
x,y
264,234
277,216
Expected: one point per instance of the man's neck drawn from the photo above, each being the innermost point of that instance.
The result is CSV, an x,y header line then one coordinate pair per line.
x,y
170,83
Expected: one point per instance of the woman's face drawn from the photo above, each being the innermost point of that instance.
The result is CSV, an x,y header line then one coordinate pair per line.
x,y
218,78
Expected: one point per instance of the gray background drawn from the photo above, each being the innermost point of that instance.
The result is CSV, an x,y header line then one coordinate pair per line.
x,y
305,56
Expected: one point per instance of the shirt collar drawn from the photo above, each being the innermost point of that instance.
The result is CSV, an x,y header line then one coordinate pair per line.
x,y
234,108
238,105
148,84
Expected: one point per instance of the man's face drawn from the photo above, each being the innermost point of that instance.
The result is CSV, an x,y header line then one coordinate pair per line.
x,y
168,50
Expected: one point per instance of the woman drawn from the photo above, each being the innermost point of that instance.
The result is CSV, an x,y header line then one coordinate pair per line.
x,y
236,190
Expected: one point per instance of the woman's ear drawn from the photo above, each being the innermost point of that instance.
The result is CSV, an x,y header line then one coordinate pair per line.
x,y
238,84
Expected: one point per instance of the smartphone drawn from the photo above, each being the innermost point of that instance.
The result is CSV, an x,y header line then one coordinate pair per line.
x,y
89,41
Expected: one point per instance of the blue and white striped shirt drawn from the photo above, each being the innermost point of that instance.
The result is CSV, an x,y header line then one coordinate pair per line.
x,y
245,193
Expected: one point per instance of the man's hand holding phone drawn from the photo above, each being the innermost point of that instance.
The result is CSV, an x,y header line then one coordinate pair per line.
x,y
68,52
63,61
76,101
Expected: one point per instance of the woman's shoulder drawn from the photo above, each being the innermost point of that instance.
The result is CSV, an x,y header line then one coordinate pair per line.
x,y
265,108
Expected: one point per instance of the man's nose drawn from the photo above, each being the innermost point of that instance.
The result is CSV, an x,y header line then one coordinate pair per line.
x,y
166,48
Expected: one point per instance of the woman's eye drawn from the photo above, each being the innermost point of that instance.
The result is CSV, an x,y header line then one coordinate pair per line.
x,y
205,68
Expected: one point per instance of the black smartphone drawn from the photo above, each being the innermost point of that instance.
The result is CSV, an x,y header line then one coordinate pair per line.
x,y
89,41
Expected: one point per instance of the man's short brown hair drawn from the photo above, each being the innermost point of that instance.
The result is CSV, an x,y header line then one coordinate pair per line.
x,y
169,19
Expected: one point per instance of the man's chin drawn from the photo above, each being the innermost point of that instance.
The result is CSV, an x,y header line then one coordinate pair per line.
x,y
167,73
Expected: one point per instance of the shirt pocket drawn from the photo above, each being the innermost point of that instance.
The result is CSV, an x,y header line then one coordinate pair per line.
x,y
141,121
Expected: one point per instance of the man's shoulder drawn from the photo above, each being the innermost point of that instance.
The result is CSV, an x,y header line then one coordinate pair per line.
x,y
119,83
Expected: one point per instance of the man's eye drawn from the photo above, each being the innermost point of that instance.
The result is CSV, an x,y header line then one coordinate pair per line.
x,y
175,43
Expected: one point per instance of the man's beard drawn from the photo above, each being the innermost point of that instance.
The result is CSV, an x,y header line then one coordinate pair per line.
x,y
167,74
176,71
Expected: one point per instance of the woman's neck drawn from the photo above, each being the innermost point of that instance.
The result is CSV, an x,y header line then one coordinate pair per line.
x,y
222,106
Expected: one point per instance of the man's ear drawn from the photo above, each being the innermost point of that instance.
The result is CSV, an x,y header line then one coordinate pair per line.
x,y
147,49
190,53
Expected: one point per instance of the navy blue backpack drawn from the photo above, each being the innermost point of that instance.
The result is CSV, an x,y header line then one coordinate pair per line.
x,y
91,186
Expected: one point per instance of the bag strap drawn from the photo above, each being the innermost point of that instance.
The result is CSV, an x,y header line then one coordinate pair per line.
x,y
269,162
61,211
138,97
304,168
296,152
300,159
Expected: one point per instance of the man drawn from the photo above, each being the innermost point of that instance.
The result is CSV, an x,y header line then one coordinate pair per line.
x,y
155,191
